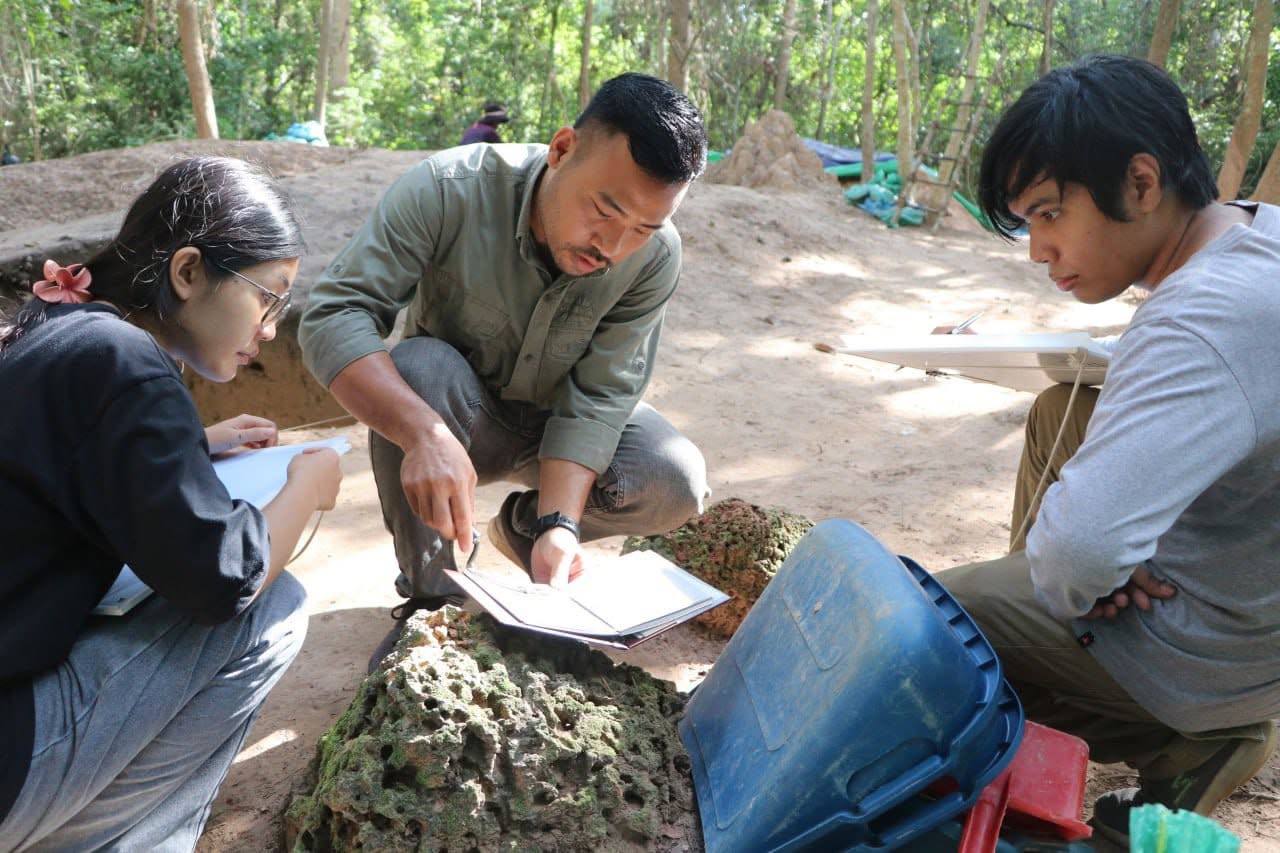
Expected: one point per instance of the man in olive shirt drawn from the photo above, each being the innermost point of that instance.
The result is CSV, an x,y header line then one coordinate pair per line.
x,y
536,279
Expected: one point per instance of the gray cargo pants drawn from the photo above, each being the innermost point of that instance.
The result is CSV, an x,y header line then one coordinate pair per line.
x,y
1059,682
656,481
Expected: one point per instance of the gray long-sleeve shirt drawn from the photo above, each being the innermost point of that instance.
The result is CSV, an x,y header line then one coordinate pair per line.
x,y
1180,470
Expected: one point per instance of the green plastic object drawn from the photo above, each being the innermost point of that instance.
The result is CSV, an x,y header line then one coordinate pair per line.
x,y
845,170
974,210
1155,829
714,156
883,189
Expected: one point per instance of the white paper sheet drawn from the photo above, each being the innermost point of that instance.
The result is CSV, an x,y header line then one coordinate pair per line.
x,y
636,589
255,476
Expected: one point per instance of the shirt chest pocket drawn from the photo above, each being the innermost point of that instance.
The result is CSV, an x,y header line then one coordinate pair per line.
x,y
567,345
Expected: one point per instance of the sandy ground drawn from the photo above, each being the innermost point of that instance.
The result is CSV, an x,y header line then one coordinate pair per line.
x,y
924,463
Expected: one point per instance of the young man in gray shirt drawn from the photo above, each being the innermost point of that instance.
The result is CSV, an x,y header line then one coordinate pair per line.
x,y
1142,610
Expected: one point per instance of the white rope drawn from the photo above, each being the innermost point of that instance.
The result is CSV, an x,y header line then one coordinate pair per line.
x,y
320,423
1034,506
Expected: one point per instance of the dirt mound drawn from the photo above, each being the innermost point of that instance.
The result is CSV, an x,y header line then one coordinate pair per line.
x,y
70,188
736,547
473,738
771,154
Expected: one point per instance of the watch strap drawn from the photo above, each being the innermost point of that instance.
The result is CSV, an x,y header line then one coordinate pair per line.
x,y
556,519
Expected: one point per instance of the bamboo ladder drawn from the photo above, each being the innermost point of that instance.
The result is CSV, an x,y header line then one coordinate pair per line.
x,y
934,214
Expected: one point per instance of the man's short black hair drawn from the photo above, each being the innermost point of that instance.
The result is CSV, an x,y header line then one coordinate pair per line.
x,y
664,129
1083,124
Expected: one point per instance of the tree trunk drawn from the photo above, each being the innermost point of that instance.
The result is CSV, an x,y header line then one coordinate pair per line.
x,y
913,48
147,25
1245,132
964,110
550,82
1046,56
340,46
33,112
1162,38
1268,188
30,84
584,71
8,86
654,55
830,43
197,72
868,96
905,136
784,55
209,19
324,49
678,45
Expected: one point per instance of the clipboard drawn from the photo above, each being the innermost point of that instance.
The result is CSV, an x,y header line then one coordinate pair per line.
x,y
1028,362
255,476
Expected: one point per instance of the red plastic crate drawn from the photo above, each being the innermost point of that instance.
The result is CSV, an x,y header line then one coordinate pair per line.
x,y
1041,792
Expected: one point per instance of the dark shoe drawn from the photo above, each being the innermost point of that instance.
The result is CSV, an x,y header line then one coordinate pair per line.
x,y
516,547
1199,790
401,614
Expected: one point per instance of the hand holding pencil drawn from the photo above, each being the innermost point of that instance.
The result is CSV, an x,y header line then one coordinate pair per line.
x,y
964,327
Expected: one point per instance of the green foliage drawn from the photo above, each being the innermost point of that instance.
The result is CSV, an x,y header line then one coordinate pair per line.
x,y
95,78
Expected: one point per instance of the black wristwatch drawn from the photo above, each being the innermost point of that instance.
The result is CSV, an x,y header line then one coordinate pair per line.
x,y
556,519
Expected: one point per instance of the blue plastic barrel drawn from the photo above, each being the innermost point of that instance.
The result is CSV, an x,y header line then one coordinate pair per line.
x,y
854,684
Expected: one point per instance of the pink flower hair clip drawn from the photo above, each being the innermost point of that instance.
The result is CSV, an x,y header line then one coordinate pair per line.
x,y
63,284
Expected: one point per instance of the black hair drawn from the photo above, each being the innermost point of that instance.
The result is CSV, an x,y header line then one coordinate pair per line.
x,y
664,129
493,113
1083,124
230,210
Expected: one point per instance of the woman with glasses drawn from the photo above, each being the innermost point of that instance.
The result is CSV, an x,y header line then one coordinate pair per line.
x,y
119,730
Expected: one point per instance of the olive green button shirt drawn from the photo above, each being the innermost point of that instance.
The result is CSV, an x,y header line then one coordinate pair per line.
x,y
451,240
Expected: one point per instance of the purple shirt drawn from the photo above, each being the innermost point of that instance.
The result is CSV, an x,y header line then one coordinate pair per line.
x,y
480,132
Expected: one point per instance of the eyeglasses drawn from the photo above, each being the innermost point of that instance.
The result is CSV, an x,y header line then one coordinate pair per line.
x,y
279,305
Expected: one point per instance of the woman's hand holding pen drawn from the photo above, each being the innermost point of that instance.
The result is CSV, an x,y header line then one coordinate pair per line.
x,y
241,431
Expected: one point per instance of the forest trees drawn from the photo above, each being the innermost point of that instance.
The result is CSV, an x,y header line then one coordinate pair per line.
x,y
413,73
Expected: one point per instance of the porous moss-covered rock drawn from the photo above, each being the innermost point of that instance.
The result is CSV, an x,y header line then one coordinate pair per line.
x,y
736,547
475,738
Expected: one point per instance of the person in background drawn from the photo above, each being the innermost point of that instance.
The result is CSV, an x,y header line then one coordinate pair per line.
x,y
118,731
486,127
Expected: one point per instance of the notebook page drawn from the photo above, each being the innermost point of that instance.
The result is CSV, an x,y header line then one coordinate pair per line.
x,y
539,605
636,589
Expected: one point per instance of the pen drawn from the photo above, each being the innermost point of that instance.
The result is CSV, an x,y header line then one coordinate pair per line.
x,y
966,323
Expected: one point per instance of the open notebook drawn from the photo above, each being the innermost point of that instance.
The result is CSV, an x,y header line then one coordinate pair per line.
x,y
1029,362
255,476
617,603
